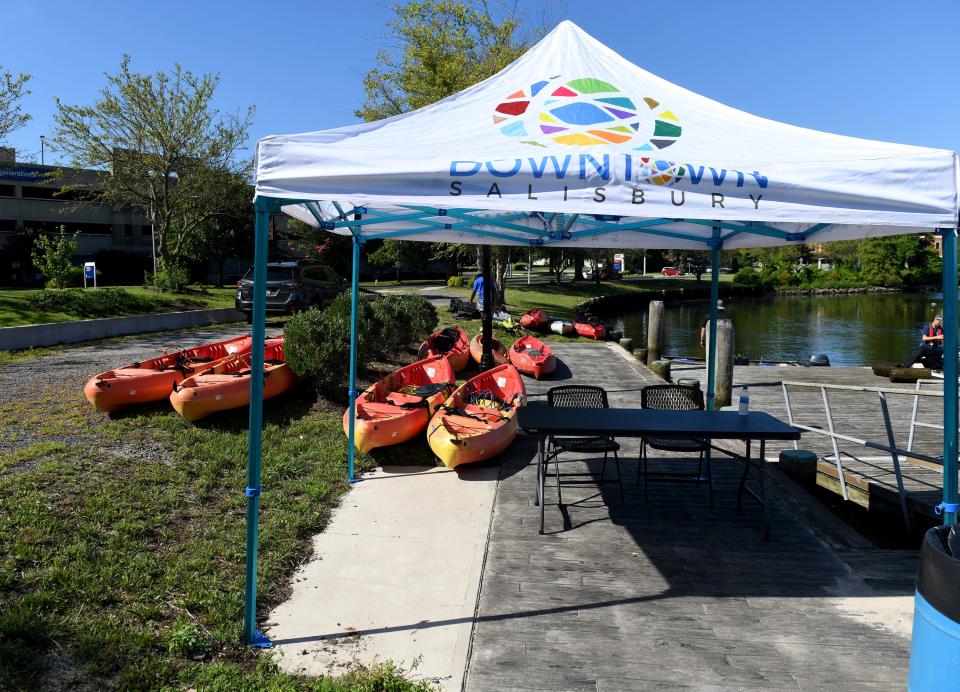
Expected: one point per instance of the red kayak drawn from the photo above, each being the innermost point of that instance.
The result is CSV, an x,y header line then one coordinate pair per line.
x,y
451,342
590,327
532,357
535,319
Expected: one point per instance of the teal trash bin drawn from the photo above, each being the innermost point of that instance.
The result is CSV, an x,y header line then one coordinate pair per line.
x,y
935,649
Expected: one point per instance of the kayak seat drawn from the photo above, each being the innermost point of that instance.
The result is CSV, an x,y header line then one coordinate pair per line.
x,y
398,399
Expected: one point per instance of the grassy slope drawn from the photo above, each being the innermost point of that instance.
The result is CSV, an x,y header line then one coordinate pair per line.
x,y
121,548
15,310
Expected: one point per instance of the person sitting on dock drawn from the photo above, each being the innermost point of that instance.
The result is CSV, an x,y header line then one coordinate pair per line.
x,y
703,326
930,353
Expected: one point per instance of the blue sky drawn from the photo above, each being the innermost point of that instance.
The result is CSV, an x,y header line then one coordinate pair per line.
x,y
881,69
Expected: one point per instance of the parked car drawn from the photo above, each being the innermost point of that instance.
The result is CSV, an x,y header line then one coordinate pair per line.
x,y
671,271
610,274
291,287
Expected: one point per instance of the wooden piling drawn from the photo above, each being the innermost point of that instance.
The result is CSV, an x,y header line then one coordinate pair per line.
x,y
654,331
723,385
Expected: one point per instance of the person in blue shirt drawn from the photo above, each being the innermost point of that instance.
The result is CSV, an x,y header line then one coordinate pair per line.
x,y
477,293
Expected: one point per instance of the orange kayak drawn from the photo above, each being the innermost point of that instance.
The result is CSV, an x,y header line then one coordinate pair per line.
x,y
536,319
226,384
451,342
398,407
479,420
499,352
590,327
153,379
532,357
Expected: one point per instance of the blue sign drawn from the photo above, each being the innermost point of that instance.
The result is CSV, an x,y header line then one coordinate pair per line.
x,y
27,173
88,270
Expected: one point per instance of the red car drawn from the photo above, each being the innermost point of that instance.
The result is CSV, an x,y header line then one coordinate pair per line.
x,y
671,271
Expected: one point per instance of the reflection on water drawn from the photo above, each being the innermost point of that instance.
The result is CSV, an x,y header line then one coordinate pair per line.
x,y
850,329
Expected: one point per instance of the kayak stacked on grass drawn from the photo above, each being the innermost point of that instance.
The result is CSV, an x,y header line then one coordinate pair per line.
x,y
532,357
479,420
590,327
152,380
499,351
535,319
561,327
398,407
451,342
226,384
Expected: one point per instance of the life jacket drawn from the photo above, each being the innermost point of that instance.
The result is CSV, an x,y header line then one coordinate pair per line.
x,y
933,331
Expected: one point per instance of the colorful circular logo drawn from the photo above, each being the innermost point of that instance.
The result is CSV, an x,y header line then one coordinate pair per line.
x,y
659,172
585,112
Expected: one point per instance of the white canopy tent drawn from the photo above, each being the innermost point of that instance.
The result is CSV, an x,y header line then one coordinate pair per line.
x,y
572,145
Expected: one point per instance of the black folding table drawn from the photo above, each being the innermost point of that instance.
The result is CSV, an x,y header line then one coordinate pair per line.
x,y
543,421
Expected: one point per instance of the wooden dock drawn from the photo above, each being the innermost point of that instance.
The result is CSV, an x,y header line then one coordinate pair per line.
x,y
869,473
673,594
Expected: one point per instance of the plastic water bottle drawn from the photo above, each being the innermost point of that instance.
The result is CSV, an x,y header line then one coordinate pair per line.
x,y
744,401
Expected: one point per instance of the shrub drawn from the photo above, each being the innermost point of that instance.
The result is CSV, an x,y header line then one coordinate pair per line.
x,y
457,281
170,277
747,277
402,320
317,342
53,257
100,302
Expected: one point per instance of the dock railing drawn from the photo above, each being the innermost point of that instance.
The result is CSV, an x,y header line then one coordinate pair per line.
x,y
896,453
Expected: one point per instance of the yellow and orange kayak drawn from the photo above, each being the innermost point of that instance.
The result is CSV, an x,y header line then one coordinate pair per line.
x,y
479,420
451,342
532,357
153,379
398,407
476,350
226,384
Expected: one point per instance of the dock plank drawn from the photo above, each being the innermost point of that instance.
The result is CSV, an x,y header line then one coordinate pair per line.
x,y
673,594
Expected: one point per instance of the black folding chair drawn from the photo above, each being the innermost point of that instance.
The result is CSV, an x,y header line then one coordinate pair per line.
x,y
579,396
672,397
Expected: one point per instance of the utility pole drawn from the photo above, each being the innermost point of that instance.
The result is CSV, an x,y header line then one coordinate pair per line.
x,y
43,141
486,330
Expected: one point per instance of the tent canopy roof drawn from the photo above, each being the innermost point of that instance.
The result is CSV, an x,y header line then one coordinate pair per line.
x,y
572,145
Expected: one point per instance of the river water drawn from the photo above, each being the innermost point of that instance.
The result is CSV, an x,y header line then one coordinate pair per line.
x,y
851,329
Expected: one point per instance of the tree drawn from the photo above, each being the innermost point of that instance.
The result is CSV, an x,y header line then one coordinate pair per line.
x,y
231,232
161,147
53,256
557,259
12,89
398,254
599,257
440,47
456,255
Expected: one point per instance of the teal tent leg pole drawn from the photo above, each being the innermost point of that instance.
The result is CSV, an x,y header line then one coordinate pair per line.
x,y
263,207
949,506
354,298
714,297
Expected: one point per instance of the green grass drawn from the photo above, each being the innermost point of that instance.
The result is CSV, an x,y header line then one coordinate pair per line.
x,y
122,542
15,308
561,300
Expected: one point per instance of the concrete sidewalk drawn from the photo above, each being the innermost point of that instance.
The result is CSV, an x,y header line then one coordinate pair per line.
x,y
394,577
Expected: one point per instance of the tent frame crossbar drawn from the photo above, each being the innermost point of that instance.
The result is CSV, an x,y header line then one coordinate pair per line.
x,y
556,226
